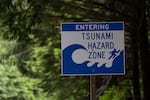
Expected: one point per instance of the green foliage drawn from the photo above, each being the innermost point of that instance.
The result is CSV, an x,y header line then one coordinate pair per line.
x,y
71,88
14,85
6,52
37,63
122,91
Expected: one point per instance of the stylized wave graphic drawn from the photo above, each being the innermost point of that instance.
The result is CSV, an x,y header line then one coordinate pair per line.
x,y
70,67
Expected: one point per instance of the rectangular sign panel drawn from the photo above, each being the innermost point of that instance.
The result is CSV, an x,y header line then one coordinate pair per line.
x,y
93,48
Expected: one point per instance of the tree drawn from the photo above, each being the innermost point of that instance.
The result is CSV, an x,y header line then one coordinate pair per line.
x,y
143,44
14,85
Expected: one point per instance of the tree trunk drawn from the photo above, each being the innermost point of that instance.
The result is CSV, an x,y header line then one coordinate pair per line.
x,y
135,67
143,46
135,50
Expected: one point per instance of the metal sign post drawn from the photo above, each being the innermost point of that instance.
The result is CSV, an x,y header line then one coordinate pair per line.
x,y
92,87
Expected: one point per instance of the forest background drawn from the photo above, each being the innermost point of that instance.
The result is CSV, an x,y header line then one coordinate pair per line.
x,y
30,53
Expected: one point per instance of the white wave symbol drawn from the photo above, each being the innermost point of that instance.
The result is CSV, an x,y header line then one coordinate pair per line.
x,y
80,56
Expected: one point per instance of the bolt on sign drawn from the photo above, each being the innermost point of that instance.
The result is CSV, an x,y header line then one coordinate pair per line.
x,y
92,48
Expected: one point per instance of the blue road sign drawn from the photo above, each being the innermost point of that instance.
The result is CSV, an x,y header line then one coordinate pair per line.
x,y
93,48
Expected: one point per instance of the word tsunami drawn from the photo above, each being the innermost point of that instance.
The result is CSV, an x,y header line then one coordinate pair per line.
x,y
98,42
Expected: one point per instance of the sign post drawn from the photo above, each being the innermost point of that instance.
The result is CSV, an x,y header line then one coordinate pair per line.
x,y
93,48
92,87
